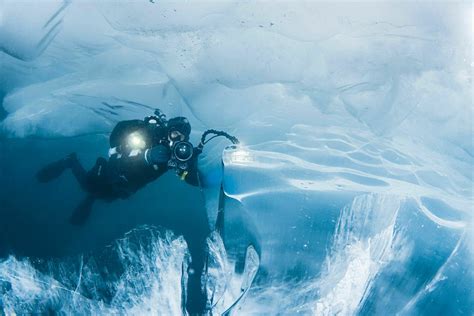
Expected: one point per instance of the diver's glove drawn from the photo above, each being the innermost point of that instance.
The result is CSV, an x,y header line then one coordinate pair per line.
x,y
159,154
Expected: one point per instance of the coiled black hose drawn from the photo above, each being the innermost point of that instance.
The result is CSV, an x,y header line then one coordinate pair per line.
x,y
216,133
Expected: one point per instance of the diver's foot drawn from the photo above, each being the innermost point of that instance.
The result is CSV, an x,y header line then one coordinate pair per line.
x,y
55,169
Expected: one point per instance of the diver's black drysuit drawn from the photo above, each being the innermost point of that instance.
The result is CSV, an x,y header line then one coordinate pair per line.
x,y
126,171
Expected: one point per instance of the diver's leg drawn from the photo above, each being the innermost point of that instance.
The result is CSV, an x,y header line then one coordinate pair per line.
x,y
55,169
82,211
91,182
78,171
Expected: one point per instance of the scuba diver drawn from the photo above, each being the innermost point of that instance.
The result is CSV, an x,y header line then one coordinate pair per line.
x,y
140,152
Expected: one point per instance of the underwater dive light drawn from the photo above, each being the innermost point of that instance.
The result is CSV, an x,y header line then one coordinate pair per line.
x,y
135,141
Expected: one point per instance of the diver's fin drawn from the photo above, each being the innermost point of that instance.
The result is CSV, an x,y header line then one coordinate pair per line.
x,y
51,171
82,211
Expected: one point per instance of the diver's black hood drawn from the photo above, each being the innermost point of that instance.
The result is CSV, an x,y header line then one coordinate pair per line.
x,y
180,124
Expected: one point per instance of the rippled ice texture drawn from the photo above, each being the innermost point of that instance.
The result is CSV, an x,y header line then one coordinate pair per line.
x,y
356,120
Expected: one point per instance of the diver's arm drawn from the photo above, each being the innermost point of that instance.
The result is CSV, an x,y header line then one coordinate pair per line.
x,y
159,156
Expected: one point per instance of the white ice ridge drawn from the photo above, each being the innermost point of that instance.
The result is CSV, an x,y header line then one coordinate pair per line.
x,y
364,241
150,283
368,266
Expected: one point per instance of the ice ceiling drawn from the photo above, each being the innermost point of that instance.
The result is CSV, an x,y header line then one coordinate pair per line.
x,y
389,74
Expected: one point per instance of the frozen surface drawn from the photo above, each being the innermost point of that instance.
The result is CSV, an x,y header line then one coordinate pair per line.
x,y
356,120
81,285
